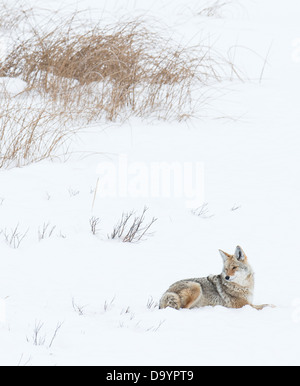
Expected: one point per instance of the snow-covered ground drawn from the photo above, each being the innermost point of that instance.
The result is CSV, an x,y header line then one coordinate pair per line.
x,y
75,298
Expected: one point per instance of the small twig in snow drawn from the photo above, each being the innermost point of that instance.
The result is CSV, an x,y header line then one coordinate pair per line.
x,y
59,324
202,211
94,221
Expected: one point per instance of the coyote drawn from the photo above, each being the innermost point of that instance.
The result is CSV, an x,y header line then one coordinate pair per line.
x,y
233,288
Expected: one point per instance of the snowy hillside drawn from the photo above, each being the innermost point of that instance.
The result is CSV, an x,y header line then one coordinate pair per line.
x,y
72,295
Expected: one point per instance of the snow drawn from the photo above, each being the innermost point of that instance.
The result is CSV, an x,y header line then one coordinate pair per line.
x,y
12,85
248,146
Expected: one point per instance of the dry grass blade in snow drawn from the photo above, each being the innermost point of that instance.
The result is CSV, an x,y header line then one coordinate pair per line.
x,y
45,231
202,211
94,221
14,237
217,8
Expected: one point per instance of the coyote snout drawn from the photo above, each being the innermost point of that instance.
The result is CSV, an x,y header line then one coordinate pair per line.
x,y
233,288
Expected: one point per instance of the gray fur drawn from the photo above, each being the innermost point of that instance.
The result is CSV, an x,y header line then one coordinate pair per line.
x,y
214,291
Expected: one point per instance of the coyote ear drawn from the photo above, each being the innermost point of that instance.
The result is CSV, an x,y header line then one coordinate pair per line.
x,y
224,255
240,254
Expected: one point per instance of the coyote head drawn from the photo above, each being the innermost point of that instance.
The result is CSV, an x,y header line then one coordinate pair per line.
x,y
236,268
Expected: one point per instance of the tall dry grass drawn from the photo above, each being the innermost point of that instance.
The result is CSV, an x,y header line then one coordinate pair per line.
x,y
113,71
31,131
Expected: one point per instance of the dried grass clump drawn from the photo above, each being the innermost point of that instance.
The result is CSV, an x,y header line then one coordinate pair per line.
x,y
132,228
113,71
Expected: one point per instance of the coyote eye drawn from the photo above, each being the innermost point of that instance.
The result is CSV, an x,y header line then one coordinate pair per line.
x,y
234,267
